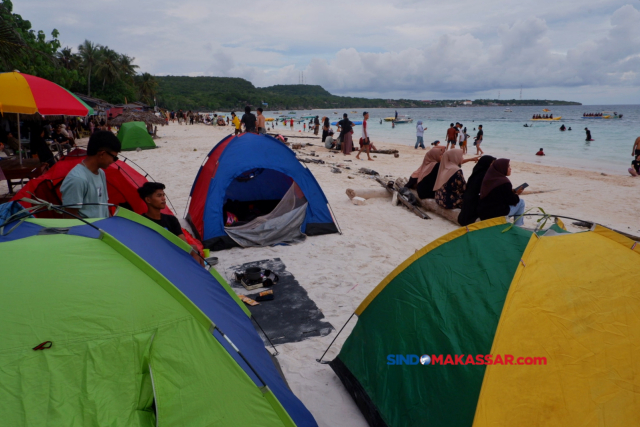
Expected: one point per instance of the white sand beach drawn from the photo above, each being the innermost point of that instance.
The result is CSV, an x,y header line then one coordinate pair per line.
x,y
338,271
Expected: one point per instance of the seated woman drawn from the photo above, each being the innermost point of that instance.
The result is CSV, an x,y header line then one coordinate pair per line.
x,y
450,184
424,178
471,197
497,197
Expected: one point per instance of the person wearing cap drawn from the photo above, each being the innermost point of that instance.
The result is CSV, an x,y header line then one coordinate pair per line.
x,y
365,143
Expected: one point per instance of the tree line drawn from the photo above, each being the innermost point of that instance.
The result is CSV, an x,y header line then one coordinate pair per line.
x,y
91,69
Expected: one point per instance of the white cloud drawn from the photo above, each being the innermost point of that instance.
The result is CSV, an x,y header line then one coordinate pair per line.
x,y
409,48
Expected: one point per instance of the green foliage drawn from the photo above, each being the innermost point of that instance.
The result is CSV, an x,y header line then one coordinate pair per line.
x,y
95,70
225,93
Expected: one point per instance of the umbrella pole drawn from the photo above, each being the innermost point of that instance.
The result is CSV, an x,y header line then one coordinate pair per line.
x,y
19,141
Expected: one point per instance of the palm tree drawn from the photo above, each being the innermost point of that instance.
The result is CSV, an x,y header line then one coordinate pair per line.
x,y
147,88
107,66
89,54
68,59
12,45
127,67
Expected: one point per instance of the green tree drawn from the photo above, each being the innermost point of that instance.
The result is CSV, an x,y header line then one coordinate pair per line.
x,y
89,53
147,88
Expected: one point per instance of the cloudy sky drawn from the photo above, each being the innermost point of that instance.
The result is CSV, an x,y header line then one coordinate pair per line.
x,y
586,51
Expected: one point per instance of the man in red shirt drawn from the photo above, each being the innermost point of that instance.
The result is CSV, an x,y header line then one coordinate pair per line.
x,y
291,124
451,136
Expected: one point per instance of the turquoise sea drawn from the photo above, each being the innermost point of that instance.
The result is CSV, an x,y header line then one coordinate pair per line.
x,y
505,136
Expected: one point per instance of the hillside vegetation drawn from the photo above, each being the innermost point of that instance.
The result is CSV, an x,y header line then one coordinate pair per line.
x,y
227,93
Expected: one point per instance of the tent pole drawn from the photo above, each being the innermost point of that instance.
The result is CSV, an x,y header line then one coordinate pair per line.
x,y
19,142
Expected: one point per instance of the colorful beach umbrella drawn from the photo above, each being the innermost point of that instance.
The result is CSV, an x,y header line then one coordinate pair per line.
x,y
557,312
26,94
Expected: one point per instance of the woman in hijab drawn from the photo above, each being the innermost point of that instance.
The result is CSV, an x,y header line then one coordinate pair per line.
x,y
497,197
471,196
424,177
325,128
450,183
420,135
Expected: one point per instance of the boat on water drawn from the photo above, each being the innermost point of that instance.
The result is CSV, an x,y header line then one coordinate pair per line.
x,y
508,110
354,112
403,119
547,120
308,117
389,119
545,110
605,115
292,112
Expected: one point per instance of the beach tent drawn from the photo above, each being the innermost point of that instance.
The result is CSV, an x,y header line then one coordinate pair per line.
x,y
564,305
123,182
258,180
112,322
134,135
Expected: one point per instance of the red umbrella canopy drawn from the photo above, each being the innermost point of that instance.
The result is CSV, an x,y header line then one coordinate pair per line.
x,y
27,94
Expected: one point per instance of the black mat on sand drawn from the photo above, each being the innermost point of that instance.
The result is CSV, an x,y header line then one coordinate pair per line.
x,y
291,316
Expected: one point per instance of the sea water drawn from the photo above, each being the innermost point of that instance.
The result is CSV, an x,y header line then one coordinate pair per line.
x,y
505,135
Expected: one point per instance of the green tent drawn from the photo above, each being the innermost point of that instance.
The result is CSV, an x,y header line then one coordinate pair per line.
x,y
134,135
113,323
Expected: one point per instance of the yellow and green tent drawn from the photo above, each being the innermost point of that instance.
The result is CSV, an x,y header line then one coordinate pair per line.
x,y
565,306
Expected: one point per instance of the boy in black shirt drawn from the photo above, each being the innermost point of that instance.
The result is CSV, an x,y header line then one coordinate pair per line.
x,y
249,120
153,195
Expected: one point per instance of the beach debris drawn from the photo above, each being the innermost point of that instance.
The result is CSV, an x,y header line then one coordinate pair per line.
x,y
393,188
248,300
350,177
384,151
367,193
316,161
359,201
335,170
296,145
396,155
603,174
368,171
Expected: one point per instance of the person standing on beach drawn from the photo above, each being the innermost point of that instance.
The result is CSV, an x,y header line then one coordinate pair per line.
x,y
291,124
451,136
365,143
464,142
588,134
316,125
236,122
478,141
262,128
248,120
460,137
346,130
635,151
419,135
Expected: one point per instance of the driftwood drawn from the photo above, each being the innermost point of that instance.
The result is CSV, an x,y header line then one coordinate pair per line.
x,y
367,193
402,199
384,152
431,205
293,136
525,192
